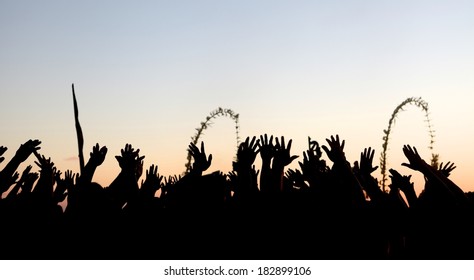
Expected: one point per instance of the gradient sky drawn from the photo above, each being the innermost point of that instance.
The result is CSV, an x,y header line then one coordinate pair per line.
x,y
148,72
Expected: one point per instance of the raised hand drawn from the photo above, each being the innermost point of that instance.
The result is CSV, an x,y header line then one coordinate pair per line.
x,y
267,152
401,182
98,154
282,153
46,181
14,191
272,180
350,190
63,185
336,154
125,187
366,161
170,180
447,168
247,152
254,172
129,159
234,180
201,161
46,165
19,183
404,184
297,179
167,184
436,179
25,183
10,181
25,173
26,149
313,146
363,170
266,148
415,161
312,165
245,179
152,182
97,157
2,151
28,179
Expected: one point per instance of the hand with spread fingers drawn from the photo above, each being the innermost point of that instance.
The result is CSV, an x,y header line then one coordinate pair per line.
x,y
282,153
129,158
21,155
401,182
46,165
28,179
366,161
247,152
405,185
201,161
124,188
12,180
152,182
447,168
26,149
266,148
414,158
336,151
97,156
297,179
63,185
437,179
20,183
47,176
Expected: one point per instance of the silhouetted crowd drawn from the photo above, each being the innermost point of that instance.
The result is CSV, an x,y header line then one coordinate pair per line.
x,y
319,211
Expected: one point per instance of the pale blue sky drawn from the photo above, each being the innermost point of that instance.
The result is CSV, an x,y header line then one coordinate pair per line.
x,y
148,72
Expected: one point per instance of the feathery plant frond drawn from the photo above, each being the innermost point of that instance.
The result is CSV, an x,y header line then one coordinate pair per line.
x,y
219,112
423,105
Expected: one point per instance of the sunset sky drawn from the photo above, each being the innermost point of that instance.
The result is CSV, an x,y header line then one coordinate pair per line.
x,y
148,72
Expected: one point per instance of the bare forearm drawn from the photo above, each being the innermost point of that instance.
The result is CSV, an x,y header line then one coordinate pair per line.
x,y
265,176
354,189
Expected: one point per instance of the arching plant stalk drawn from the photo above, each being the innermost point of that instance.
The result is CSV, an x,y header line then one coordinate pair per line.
x,y
219,112
423,105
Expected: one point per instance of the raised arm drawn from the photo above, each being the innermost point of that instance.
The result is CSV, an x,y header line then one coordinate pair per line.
x,y
19,185
125,186
246,180
44,187
350,189
364,170
22,154
434,177
97,157
281,159
151,184
63,186
201,161
267,152
405,185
